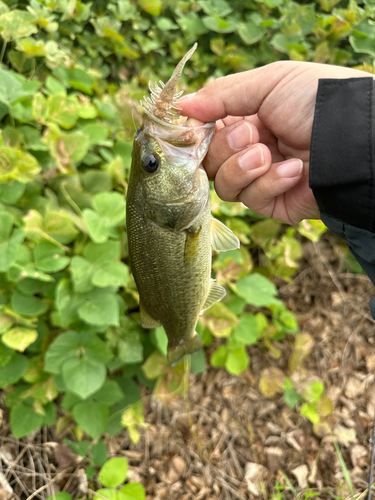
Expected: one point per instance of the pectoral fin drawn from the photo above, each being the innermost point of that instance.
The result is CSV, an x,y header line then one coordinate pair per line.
x,y
216,293
222,238
146,320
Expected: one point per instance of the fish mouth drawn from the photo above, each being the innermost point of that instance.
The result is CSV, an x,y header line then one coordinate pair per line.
x,y
171,132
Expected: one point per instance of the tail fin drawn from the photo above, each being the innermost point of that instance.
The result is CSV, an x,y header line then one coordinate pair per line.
x,y
176,353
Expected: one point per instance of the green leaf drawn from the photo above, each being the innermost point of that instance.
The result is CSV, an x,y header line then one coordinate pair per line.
x,y
98,227
363,45
198,362
247,331
152,7
250,33
97,133
60,496
100,308
6,224
83,376
256,290
80,448
104,272
114,472
219,320
19,338
70,345
111,206
219,356
99,453
24,420
17,24
59,225
134,491
11,192
237,361
110,393
6,354
218,24
126,340
115,274
16,165
28,305
313,391
63,348
13,371
96,181
192,25
49,257
308,410
82,273
80,80
108,494
92,417
161,340
291,397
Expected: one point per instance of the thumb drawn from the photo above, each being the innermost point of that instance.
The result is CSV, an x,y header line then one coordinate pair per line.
x,y
240,94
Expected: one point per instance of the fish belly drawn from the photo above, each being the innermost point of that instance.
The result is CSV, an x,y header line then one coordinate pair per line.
x,y
172,271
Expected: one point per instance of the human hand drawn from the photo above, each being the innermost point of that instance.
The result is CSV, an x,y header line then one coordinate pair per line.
x,y
260,152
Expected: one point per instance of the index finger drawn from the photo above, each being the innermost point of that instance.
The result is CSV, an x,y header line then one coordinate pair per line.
x,y
237,95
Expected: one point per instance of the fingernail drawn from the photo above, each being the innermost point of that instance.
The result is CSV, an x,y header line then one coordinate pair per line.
x,y
241,136
290,168
253,158
187,96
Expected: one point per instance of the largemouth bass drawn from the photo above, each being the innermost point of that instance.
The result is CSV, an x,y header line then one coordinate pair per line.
x,y
169,222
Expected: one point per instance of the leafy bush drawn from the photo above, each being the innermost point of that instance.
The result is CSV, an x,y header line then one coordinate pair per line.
x,y
71,75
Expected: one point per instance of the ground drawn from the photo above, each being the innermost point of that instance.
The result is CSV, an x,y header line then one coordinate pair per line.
x,y
226,437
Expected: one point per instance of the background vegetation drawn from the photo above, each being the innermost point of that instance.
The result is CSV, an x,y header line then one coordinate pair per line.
x,y
72,351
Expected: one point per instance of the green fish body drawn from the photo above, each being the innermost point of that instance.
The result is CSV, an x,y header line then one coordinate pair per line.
x,y
169,223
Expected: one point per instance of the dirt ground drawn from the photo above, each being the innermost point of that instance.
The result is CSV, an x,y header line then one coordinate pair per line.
x,y
226,440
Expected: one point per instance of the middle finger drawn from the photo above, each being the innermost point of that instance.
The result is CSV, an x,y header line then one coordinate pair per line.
x,y
228,141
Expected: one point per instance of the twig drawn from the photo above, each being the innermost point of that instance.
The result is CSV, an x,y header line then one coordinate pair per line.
x,y
46,485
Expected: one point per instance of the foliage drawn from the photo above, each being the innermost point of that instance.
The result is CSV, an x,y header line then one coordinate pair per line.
x,y
70,78
112,475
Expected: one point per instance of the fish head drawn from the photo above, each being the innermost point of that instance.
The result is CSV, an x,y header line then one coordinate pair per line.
x,y
167,162
172,186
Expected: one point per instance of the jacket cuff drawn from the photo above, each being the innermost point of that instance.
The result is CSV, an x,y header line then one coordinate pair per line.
x,y
342,172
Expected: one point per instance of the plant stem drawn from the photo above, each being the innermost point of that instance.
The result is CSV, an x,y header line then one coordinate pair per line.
x,y
2,51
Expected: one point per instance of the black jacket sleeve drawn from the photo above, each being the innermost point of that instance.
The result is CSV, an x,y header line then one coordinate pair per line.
x,y
342,169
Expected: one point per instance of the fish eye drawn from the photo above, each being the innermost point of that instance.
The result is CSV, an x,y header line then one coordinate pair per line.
x,y
151,163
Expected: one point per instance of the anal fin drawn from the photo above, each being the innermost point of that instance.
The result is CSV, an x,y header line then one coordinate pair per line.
x,y
146,320
216,293
223,238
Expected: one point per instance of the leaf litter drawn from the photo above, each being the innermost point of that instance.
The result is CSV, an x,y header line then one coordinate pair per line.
x,y
226,439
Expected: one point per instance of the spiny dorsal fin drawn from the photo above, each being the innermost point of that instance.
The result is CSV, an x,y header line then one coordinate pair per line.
x,y
223,238
216,293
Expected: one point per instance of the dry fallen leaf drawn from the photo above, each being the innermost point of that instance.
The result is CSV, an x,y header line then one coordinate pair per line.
x,y
353,388
271,381
344,435
65,457
255,474
358,454
301,472
6,491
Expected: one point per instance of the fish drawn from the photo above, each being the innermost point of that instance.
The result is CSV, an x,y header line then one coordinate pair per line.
x,y
169,224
